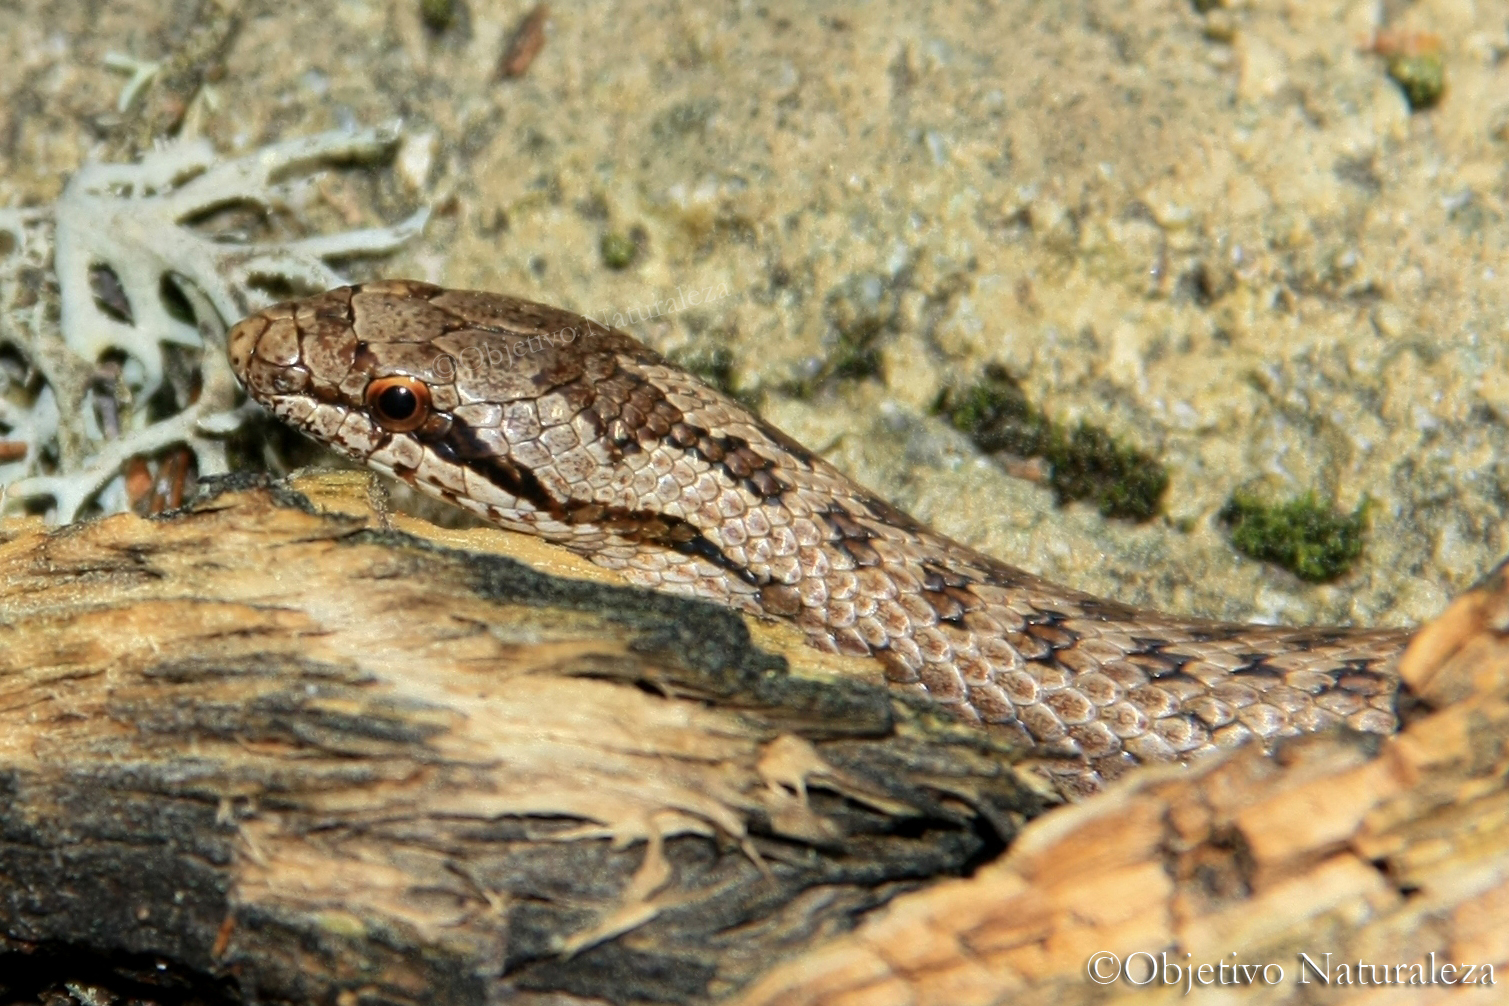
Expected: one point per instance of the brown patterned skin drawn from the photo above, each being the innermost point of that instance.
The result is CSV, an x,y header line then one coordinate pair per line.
x,y
544,422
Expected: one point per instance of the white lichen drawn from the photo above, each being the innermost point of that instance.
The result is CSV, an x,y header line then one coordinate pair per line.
x,y
133,218
29,416
82,303
142,72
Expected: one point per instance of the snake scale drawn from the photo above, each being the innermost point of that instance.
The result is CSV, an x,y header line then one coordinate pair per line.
x,y
545,422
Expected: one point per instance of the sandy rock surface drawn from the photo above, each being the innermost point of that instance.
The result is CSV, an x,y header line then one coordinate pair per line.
x,y
1224,236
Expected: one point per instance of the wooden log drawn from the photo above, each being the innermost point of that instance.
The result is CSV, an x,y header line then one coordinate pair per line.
x,y
1385,864
275,743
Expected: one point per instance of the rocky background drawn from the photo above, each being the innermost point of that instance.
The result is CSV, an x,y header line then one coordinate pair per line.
x,y
1263,243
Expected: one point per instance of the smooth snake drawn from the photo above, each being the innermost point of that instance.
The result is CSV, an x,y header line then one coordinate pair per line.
x,y
545,422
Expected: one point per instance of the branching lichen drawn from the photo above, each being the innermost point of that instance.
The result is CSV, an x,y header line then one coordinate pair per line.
x,y
133,218
100,299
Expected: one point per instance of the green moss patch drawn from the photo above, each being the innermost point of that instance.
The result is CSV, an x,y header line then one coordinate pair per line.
x,y
438,14
1086,462
1421,76
618,250
858,312
1089,463
1311,539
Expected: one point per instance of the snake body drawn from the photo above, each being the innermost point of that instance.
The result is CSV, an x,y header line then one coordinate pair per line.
x,y
545,422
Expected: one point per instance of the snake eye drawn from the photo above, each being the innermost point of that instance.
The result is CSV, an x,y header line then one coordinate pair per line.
x,y
399,404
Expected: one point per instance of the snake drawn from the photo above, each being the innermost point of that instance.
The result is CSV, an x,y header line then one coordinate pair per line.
x,y
545,422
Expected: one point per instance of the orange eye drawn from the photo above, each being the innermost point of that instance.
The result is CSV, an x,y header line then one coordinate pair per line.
x,y
399,404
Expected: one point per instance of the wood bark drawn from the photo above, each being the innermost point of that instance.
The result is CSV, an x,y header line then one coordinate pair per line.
x,y
279,746
269,742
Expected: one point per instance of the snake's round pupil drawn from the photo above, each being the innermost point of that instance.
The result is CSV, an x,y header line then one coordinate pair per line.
x,y
397,403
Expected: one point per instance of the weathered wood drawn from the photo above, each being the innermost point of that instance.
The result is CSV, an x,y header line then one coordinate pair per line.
x,y
1379,854
275,743
269,742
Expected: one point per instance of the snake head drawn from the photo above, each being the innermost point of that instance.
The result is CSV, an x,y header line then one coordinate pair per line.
x,y
532,417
